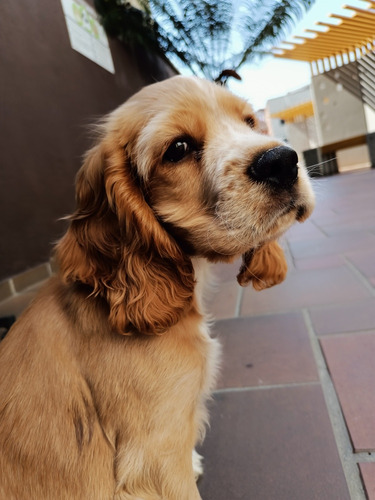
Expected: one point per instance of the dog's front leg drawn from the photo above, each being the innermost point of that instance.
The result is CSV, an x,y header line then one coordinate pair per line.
x,y
190,494
197,465
168,477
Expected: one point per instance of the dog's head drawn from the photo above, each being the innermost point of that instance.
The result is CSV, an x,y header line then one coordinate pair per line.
x,y
179,171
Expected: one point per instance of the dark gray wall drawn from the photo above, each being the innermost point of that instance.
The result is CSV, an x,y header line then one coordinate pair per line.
x,y
49,94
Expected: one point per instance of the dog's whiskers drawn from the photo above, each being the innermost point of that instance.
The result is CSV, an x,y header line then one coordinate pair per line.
x,y
209,231
229,227
315,168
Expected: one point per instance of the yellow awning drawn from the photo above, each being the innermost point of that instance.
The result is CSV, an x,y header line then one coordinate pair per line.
x,y
353,37
294,113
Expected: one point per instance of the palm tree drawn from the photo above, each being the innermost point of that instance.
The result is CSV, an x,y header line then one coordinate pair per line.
x,y
205,36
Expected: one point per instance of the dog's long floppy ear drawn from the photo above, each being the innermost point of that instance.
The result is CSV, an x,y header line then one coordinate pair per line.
x,y
115,244
263,267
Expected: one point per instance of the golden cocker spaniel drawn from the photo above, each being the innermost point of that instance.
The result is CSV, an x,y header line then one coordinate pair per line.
x,y
104,378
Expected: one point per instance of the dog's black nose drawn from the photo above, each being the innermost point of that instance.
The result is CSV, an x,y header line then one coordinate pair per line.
x,y
276,167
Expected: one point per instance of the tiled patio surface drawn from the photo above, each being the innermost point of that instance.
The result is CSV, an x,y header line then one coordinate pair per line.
x,y
293,416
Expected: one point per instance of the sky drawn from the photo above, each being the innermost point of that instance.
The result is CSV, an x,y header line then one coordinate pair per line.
x,y
273,77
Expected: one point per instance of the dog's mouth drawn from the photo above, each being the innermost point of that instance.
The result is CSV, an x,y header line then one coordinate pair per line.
x,y
300,210
242,211
302,213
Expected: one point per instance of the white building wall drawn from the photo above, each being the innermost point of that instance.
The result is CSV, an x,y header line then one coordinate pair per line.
x,y
370,118
301,134
339,114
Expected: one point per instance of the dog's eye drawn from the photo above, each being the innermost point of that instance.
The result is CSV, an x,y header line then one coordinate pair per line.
x,y
250,121
177,151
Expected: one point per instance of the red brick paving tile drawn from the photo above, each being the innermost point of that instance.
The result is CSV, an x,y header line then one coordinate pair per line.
x,y
364,261
350,360
352,225
357,203
333,191
349,210
368,476
330,218
338,244
271,445
322,262
307,230
305,289
265,350
323,212
349,317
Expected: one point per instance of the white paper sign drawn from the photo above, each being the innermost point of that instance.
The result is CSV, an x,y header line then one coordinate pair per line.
x,y
86,34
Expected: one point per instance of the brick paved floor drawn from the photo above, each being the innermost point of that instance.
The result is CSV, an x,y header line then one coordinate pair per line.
x,y
293,416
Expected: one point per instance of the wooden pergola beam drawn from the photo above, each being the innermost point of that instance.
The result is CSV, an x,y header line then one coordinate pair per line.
x,y
353,37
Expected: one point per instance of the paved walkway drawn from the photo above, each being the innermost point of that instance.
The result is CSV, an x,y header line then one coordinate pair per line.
x,y
294,414
293,417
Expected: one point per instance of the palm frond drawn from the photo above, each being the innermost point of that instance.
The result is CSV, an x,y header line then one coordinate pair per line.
x,y
205,36
266,22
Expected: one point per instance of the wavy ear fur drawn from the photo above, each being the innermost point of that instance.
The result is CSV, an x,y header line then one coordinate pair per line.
x,y
115,244
264,267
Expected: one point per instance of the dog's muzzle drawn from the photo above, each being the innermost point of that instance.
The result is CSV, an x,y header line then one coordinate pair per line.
x,y
276,167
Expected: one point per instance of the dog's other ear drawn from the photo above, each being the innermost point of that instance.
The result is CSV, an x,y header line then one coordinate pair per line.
x,y
89,251
115,245
264,267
